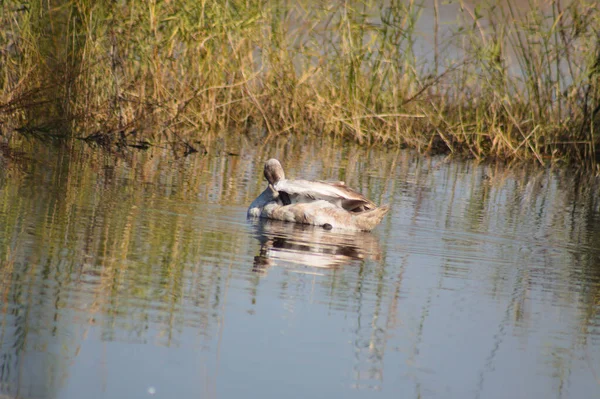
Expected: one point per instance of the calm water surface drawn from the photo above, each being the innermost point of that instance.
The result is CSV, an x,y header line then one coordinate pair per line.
x,y
138,276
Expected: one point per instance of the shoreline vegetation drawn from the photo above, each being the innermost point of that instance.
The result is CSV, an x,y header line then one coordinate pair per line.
x,y
501,81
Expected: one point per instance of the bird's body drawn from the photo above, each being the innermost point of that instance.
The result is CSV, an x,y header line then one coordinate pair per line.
x,y
327,204
305,191
318,213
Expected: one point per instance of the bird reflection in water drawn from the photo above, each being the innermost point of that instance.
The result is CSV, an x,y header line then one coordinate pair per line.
x,y
305,246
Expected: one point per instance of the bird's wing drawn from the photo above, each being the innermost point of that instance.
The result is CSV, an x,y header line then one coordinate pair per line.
x,y
304,190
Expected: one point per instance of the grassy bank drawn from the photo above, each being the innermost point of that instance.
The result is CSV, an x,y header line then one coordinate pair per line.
x,y
501,81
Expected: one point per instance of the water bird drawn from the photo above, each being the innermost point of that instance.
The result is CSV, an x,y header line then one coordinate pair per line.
x,y
326,204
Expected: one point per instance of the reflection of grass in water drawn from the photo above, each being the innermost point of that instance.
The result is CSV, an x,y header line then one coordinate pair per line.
x,y
172,71
129,241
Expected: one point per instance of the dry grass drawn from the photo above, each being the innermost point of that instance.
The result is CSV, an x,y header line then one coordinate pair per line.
x,y
509,82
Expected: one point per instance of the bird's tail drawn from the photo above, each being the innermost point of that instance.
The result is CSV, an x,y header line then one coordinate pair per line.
x,y
369,219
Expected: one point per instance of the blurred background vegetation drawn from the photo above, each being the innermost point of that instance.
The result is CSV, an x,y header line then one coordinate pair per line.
x,y
492,79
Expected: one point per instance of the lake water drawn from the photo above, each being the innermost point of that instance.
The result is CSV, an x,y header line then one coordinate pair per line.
x,y
137,275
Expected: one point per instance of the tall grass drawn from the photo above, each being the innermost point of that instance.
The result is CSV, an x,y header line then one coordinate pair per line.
x,y
509,81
